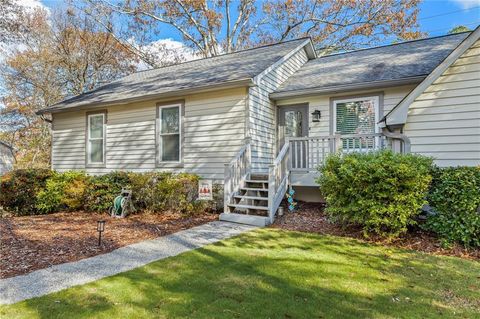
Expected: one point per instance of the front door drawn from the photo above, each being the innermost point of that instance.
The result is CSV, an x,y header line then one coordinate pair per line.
x,y
293,122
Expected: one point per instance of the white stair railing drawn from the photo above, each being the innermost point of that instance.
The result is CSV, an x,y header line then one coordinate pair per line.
x,y
236,172
278,176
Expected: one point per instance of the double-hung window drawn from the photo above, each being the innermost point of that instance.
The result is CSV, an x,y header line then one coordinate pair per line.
x,y
357,116
96,139
169,133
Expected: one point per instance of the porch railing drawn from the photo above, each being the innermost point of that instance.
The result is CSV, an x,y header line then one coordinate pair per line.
x,y
235,174
307,153
278,174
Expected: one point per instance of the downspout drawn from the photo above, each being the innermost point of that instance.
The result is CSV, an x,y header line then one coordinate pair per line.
x,y
398,136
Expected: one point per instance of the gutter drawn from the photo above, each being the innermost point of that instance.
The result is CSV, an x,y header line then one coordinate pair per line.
x,y
60,107
347,87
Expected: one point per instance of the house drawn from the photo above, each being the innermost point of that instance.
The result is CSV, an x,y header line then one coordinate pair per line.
x,y
6,158
261,120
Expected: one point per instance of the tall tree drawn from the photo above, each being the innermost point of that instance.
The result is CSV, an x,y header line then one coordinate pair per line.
x,y
11,25
222,26
61,56
458,29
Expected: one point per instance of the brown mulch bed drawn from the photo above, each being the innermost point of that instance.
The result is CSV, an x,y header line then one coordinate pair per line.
x,y
311,218
34,242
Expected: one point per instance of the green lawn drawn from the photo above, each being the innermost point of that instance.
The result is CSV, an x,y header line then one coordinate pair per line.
x,y
276,274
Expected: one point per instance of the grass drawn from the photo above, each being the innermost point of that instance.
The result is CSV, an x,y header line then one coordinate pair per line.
x,y
276,274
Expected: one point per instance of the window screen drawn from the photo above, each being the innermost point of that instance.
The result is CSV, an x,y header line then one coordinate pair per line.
x,y
170,134
96,152
356,117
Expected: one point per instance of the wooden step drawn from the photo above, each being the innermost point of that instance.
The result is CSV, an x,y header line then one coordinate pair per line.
x,y
259,176
253,220
254,189
251,197
243,206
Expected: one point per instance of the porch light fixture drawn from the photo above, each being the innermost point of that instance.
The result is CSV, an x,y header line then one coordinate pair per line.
x,y
100,230
316,115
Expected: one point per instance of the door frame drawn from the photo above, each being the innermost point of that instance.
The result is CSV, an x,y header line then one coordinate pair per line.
x,y
304,107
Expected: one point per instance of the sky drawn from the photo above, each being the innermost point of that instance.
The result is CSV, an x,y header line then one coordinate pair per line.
x,y
436,17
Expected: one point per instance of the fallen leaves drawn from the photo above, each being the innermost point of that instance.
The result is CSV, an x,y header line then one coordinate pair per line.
x,y
34,242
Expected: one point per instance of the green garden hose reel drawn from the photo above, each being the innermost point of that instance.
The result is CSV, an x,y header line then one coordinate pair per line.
x,y
122,204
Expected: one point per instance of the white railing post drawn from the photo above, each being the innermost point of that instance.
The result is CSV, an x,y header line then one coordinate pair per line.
x,y
227,188
248,153
271,191
338,142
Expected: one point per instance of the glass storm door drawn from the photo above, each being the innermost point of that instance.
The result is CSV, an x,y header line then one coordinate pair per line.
x,y
293,122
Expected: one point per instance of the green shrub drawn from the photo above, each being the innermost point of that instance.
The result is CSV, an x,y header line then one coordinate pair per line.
x,y
455,195
44,191
166,191
381,191
63,191
102,189
19,189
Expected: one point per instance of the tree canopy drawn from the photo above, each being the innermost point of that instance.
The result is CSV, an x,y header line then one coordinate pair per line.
x,y
223,26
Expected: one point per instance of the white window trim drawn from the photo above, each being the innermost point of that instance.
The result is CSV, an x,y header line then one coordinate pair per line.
x,y
160,134
104,129
376,100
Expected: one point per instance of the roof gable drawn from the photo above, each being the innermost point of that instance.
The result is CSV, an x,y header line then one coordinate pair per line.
x,y
398,115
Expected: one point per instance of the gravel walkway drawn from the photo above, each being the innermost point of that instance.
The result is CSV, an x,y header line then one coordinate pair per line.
x,y
59,277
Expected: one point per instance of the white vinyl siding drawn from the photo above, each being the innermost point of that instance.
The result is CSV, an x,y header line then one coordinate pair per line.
x,y
444,121
214,131
68,141
262,111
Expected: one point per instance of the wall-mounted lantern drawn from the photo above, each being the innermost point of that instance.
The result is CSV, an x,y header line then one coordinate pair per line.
x,y
316,115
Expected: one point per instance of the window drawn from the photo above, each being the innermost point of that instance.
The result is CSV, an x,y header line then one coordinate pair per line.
x,y
96,138
169,133
293,124
357,116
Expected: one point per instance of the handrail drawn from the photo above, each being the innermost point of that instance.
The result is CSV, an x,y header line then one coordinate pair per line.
x,y
281,154
236,171
242,150
278,176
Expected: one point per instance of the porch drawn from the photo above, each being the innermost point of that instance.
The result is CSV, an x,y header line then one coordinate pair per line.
x,y
254,198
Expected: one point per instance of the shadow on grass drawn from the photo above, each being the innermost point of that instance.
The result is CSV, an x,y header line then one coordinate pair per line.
x,y
276,274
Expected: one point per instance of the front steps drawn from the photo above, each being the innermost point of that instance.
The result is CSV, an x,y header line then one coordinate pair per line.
x,y
250,205
259,221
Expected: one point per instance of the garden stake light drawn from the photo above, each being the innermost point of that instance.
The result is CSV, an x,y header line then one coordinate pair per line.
x,y
100,229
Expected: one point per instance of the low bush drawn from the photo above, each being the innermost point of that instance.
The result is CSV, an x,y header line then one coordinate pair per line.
x,y
19,189
455,196
63,191
43,191
381,191
101,190
167,191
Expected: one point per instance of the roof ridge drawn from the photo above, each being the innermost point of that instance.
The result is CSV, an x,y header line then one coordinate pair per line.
x,y
221,55
392,44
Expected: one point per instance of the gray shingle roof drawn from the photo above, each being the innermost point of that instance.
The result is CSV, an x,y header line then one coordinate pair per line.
x,y
242,65
387,63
